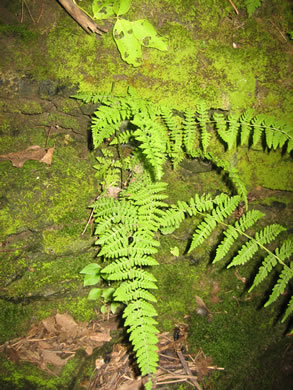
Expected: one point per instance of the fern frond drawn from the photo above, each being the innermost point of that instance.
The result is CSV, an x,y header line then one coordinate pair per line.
x,y
153,142
289,310
252,5
173,124
280,286
227,129
124,137
245,125
232,232
203,119
138,315
133,273
226,206
189,132
105,122
257,122
281,254
132,290
268,234
127,263
171,220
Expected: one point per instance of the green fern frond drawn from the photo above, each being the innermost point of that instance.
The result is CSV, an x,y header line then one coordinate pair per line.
x,y
225,207
153,142
289,310
175,150
227,129
127,263
135,289
105,122
203,119
257,122
171,220
189,132
138,315
268,234
280,286
124,137
252,5
245,120
281,254
232,232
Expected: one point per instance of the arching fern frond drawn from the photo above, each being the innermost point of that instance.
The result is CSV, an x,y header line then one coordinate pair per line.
x,y
130,243
224,208
189,132
249,249
232,232
281,284
175,150
153,141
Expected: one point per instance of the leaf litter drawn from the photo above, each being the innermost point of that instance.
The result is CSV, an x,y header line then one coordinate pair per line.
x,y
51,343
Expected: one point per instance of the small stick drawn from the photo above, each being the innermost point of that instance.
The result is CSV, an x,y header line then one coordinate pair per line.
x,y
41,12
29,12
188,371
234,6
279,31
22,6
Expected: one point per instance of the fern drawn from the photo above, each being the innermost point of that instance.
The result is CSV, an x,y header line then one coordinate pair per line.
x,y
176,136
252,5
126,225
225,206
125,229
233,232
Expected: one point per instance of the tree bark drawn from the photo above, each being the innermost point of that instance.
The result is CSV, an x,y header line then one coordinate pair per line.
x,y
81,18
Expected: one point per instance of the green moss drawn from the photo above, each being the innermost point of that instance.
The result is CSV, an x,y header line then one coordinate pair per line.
x,y
175,297
37,196
268,169
31,107
27,376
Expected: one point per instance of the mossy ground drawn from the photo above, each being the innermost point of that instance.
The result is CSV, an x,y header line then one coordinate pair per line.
x,y
233,63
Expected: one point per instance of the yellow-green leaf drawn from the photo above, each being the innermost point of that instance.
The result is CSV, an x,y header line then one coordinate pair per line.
x,y
127,43
103,9
147,35
121,7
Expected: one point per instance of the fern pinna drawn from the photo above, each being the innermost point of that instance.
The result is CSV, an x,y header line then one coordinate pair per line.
x,y
125,228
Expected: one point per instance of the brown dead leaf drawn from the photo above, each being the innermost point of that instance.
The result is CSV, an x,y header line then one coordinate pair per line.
x,y
47,159
214,292
67,324
49,324
51,357
100,337
33,152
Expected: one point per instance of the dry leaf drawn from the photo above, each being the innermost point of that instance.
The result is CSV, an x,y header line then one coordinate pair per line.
x,y
33,152
51,357
100,337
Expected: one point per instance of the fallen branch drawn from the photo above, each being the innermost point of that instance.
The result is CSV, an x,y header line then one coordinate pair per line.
x,y
81,18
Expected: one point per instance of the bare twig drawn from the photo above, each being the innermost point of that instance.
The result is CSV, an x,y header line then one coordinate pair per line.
x,y
29,11
188,371
279,31
234,6
41,12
